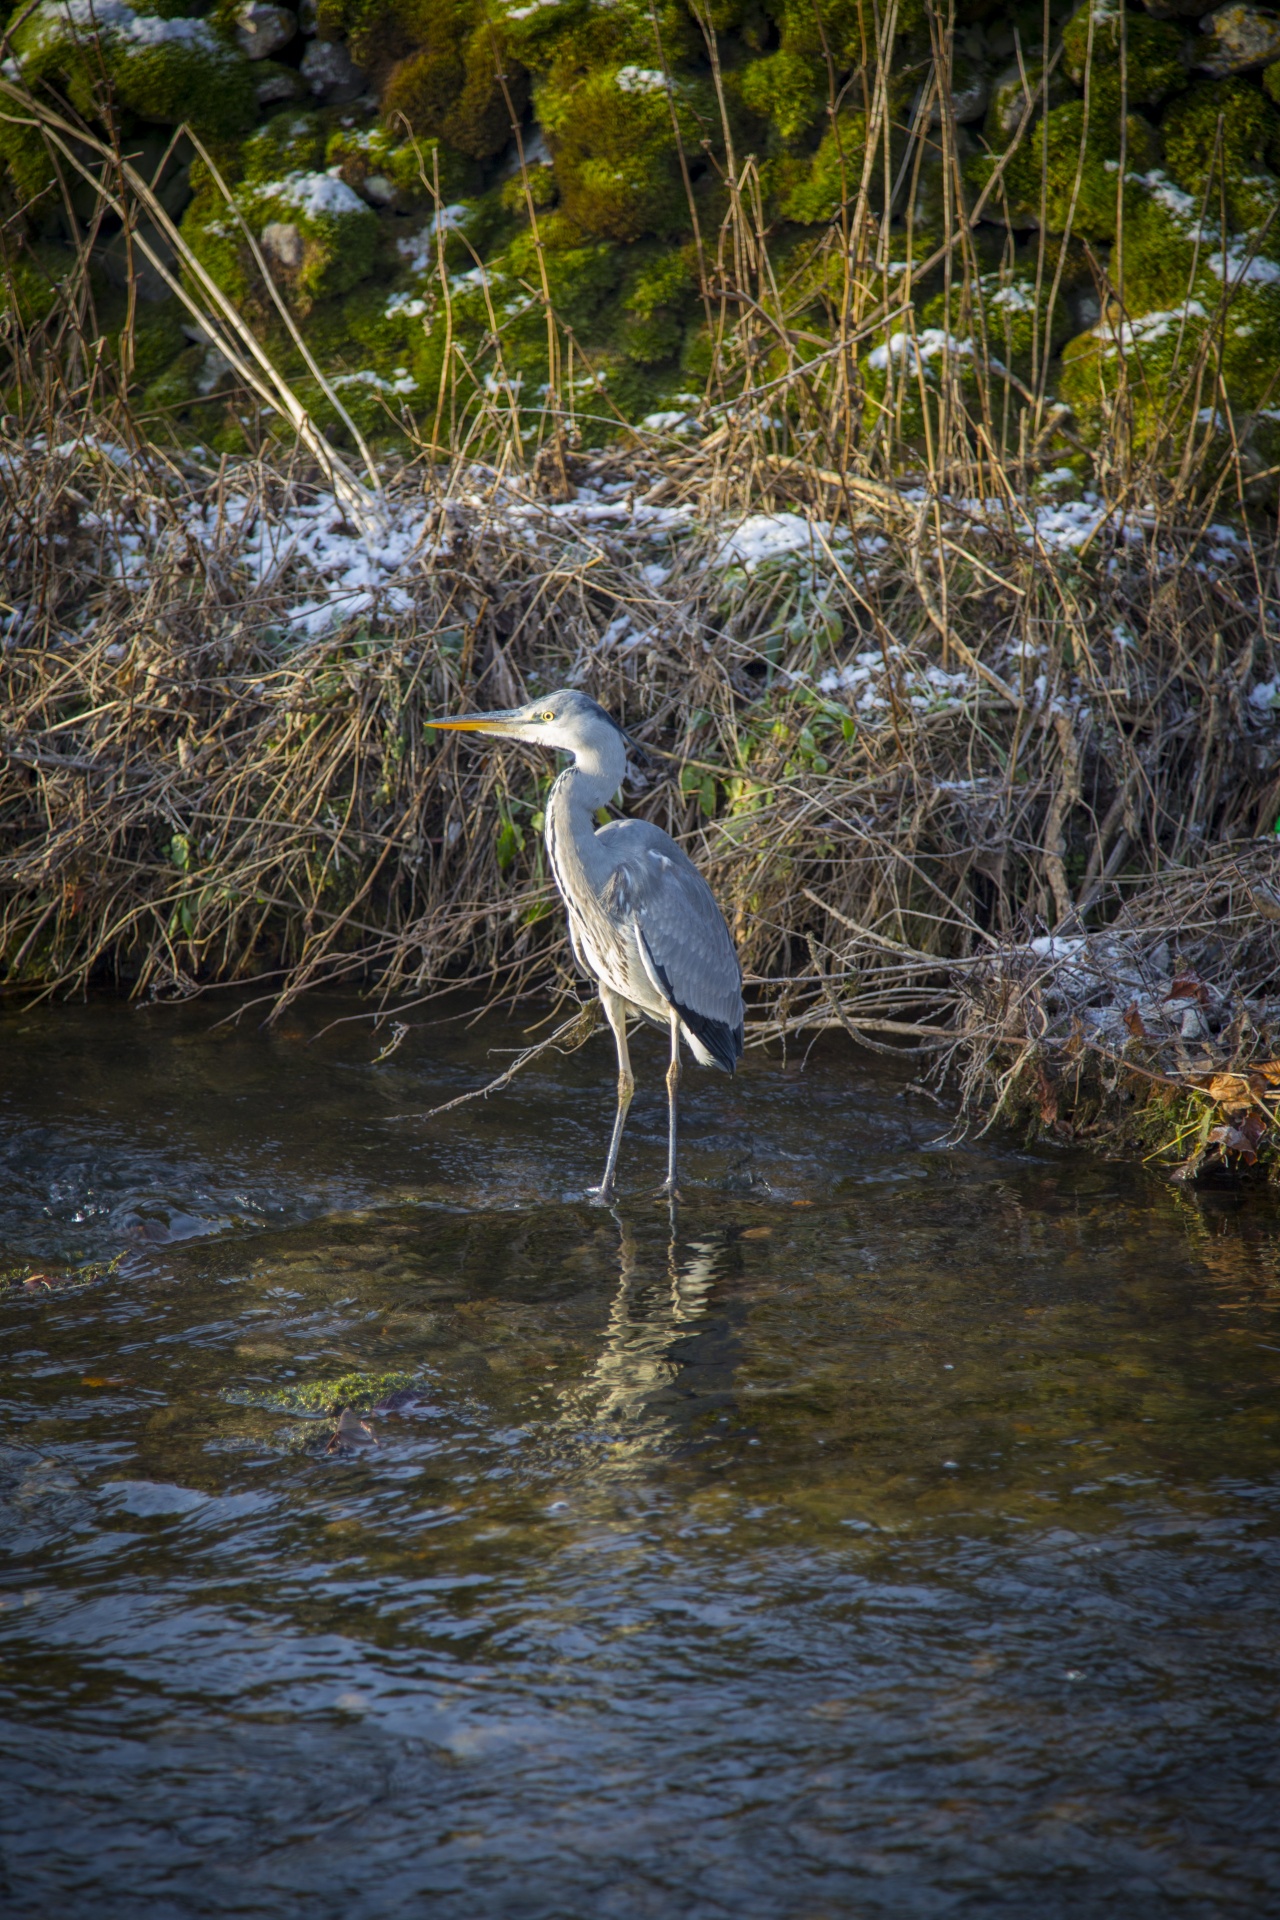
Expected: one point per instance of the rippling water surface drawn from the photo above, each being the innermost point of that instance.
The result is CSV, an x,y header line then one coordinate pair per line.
x,y
895,1533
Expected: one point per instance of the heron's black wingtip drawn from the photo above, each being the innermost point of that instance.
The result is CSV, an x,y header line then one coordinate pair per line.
x,y
722,1042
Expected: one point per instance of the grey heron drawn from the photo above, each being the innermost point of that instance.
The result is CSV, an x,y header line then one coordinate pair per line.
x,y
643,922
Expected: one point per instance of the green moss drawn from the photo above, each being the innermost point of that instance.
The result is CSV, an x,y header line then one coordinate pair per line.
x,y
1217,140
1153,64
1002,310
651,340
290,142
165,69
615,159
1173,248
1014,94
787,90
30,280
1162,245
334,235
1177,366
157,338
844,29
655,306
446,83
360,1391
1078,187
831,176
668,280
583,276
174,388
537,184
904,378
1201,331
25,159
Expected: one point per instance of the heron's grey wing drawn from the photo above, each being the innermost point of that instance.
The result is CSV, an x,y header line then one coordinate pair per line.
x,y
656,893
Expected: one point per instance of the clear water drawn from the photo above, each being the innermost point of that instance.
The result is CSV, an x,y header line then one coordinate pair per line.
x,y
894,1535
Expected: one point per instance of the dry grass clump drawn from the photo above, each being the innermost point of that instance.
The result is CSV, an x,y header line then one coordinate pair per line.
x,y
898,755
1158,1032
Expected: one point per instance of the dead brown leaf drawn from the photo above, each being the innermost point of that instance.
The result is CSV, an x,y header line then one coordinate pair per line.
x,y
351,1431
1230,1090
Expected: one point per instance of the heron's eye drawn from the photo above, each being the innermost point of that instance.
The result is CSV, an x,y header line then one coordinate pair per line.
x,y
546,716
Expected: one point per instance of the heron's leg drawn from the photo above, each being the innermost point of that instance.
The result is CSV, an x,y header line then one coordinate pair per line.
x,y
615,1013
673,1092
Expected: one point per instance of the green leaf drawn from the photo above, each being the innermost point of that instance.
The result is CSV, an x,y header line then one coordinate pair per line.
x,y
509,843
180,852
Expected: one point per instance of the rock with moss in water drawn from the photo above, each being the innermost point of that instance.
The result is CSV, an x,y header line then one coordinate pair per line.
x,y
361,1392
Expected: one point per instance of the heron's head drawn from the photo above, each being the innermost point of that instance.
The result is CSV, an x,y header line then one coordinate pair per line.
x,y
568,720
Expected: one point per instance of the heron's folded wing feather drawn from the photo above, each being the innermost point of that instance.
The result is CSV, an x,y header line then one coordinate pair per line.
x,y
657,890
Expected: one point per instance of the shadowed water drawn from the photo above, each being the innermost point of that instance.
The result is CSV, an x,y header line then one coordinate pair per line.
x,y
893,1534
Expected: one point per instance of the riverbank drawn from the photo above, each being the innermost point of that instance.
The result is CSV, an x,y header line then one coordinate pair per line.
x,y
993,778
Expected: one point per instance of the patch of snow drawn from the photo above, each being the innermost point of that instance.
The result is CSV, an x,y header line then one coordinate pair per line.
x,y
1236,266
1015,298
641,80
770,536
112,19
418,248
669,420
914,350
314,194
401,381
1146,328
117,455
1162,190
149,30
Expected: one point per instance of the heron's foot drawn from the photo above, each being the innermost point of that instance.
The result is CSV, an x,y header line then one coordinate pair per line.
x,y
668,1191
606,1193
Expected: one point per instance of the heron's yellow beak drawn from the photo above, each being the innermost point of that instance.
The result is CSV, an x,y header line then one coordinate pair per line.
x,y
476,723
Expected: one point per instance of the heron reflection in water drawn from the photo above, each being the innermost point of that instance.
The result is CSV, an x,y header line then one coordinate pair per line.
x,y
643,922
667,1353
636,1361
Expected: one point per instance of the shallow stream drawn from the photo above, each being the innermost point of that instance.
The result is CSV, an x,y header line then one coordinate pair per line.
x,y
893,1533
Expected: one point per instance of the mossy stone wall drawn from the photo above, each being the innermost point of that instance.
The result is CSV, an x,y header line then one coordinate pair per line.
x,y
376,153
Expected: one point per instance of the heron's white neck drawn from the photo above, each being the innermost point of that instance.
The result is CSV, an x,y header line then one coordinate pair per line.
x,y
593,779
590,783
